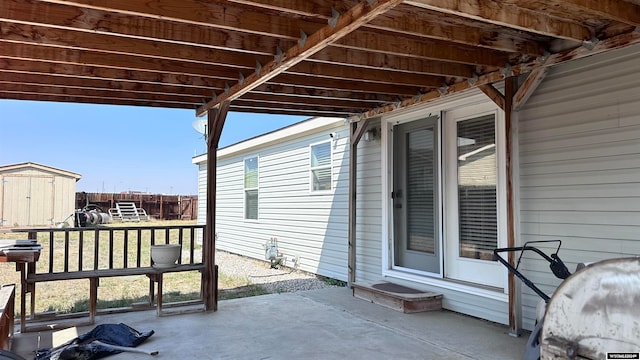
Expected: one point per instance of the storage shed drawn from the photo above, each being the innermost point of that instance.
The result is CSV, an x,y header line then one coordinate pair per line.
x,y
35,195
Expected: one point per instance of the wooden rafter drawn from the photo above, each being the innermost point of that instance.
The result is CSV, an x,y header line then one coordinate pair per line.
x,y
31,34
215,14
308,92
57,55
179,53
100,93
108,23
369,60
616,42
345,24
618,10
389,43
354,105
430,26
99,84
504,14
366,75
83,71
112,100
341,84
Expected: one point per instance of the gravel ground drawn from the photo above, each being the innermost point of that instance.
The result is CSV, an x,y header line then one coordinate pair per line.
x,y
273,280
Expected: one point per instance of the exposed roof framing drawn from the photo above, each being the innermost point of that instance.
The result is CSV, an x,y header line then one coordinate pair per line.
x,y
303,57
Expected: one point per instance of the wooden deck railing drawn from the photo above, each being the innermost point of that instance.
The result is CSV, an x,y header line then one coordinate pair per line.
x,y
77,249
92,253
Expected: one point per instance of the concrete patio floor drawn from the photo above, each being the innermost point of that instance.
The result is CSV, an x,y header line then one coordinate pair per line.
x,y
316,324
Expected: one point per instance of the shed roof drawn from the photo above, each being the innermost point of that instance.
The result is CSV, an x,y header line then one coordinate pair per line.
x,y
28,165
301,57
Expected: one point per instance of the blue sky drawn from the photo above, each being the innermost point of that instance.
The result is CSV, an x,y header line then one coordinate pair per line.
x,y
118,148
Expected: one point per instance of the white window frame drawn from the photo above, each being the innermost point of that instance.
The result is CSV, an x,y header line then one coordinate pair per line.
x,y
451,194
312,168
245,189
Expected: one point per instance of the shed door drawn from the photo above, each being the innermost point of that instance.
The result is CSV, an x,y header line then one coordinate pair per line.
x,y
28,200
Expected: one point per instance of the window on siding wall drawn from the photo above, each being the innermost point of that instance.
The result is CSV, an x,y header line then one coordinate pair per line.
x,y
321,166
251,188
477,175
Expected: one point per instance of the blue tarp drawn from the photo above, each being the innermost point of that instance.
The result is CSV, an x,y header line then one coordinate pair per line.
x,y
83,347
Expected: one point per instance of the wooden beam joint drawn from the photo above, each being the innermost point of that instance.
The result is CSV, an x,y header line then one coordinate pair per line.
x,y
357,16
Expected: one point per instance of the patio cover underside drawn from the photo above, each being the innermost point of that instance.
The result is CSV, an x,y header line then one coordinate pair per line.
x,y
346,58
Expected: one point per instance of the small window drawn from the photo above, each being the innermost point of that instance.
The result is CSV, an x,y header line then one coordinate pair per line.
x,y
320,176
251,188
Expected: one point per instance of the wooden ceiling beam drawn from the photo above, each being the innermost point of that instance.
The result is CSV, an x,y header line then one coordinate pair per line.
x,y
415,23
116,61
108,23
389,43
217,14
100,84
353,73
347,85
622,11
30,34
432,25
617,42
82,71
504,14
299,107
344,25
372,98
307,8
287,111
89,100
300,101
369,60
99,93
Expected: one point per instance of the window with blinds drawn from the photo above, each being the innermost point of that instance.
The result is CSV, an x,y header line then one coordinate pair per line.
x,y
420,191
251,188
477,176
320,155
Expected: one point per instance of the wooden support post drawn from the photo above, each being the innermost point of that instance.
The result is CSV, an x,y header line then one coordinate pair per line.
x,y
357,129
216,119
515,312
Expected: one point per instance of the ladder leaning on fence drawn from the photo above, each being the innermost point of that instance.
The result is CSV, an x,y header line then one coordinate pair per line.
x,y
127,211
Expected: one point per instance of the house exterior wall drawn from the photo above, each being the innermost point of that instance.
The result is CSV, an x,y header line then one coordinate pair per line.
x,y
577,179
35,196
579,140
309,226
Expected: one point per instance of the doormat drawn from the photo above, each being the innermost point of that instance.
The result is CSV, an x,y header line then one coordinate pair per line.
x,y
395,288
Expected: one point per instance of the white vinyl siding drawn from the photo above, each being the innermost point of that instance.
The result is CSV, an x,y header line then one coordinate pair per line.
x,y
369,209
312,228
579,140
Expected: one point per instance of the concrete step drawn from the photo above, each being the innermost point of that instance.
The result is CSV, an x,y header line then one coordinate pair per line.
x,y
398,297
